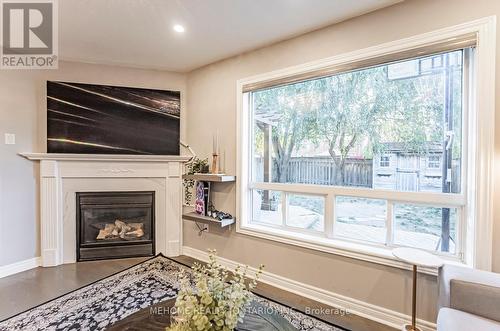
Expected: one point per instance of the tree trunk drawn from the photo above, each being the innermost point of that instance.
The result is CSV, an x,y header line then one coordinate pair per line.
x,y
339,164
281,161
340,172
283,169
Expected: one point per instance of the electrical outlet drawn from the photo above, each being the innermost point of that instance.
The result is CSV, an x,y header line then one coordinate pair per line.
x,y
10,139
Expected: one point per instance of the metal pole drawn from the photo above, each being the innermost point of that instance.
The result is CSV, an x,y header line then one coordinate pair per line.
x,y
414,300
267,164
447,152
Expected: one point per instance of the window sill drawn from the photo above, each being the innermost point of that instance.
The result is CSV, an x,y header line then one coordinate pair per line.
x,y
373,254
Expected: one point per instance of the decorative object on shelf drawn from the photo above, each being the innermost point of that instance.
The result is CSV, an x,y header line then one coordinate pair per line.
x,y
215,154
218,215
201,202
210,208
420,258
196,166
215,169
217,301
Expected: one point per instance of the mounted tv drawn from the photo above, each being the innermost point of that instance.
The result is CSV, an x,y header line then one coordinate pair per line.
x,y
100,119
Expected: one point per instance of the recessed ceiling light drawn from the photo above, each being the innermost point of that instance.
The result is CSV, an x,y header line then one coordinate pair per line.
x,y
179,28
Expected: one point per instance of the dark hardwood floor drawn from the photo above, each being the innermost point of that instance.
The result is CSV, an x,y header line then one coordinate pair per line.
x,y
27,289
30,288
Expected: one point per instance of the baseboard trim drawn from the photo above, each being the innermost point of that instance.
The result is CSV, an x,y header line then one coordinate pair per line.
x,y
14,268
376,313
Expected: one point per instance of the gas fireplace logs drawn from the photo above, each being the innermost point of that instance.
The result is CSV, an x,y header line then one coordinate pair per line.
x,y
119,229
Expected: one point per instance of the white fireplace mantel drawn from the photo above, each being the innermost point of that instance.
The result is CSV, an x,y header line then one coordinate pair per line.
x,y
105,157
62,175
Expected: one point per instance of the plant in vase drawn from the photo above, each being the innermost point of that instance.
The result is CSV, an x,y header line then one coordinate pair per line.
x,y
217,301
196,166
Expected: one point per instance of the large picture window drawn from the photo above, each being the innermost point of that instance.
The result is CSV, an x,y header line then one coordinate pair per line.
x,y
378,148
343,142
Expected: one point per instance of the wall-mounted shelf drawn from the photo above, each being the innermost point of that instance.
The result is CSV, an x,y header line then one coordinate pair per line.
x,y
210,177
193,216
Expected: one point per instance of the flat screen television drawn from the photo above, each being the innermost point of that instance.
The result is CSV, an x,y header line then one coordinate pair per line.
x,y
101,119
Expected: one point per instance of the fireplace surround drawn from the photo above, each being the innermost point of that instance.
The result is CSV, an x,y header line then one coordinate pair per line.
x,y
114,225
64,175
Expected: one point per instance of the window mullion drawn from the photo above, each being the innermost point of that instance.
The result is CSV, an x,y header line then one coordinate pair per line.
x,y
461,235
389,223
284,208
430,198
329,215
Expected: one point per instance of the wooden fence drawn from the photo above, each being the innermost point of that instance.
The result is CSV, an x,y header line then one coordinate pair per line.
x,y
358,172
322,171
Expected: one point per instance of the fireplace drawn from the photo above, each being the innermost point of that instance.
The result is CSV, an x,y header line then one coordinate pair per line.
x,y
114,225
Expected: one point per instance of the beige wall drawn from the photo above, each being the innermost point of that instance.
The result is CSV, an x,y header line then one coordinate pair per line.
x,y
23,112
212,106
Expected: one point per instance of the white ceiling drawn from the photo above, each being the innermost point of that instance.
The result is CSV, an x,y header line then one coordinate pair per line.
x,y
139,33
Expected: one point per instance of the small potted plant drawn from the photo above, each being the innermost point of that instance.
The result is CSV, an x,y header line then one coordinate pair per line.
x,y
215,300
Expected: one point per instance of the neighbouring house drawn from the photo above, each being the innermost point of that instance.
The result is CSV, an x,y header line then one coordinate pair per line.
x,y
396,168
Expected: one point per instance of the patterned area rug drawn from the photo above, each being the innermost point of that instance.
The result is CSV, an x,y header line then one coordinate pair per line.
x,y
100,304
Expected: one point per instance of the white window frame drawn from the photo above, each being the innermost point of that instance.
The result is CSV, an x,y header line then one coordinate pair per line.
x,y
384,162
436,164
477,167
